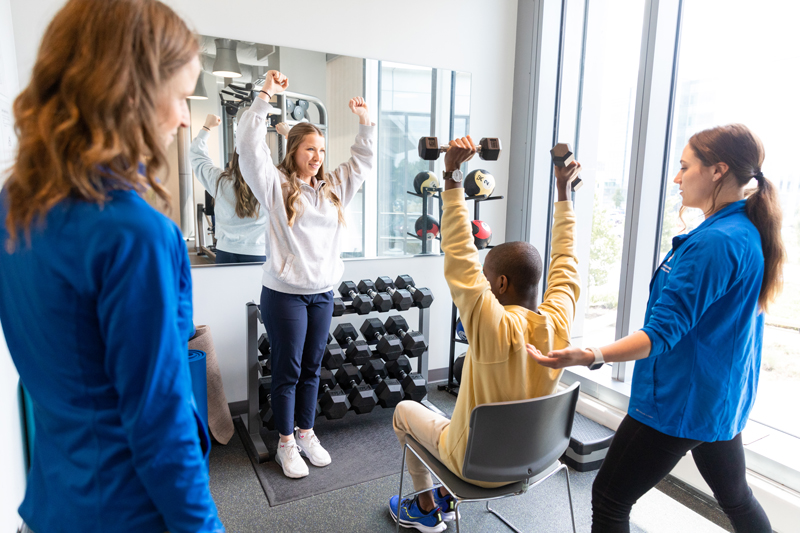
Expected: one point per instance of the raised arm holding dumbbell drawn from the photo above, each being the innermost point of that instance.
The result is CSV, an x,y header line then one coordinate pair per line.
x,y
497,301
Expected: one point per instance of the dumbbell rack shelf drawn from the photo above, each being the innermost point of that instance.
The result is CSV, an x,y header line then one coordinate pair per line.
x,y
451,386
254,443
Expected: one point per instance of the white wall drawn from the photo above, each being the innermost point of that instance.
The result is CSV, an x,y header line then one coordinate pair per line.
x,y
12,458
375,30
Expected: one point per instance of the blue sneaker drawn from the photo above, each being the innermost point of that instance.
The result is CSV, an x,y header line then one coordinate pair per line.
x,y
411,516
448,506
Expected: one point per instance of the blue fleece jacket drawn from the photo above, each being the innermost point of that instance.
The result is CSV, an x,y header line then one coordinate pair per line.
x,y
700,379
96,312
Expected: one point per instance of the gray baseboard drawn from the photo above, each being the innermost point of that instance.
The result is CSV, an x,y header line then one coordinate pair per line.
x,y
437,374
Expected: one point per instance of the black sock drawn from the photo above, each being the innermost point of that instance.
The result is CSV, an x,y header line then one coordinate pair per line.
x,y
419,504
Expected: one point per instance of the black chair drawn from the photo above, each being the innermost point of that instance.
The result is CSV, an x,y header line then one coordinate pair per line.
x,y
537,432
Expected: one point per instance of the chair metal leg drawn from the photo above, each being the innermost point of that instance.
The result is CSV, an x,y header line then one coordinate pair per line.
x,y
498,515
569,495
400,493
458,524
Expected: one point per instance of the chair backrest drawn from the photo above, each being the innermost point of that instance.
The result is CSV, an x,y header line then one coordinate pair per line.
x,y
512,441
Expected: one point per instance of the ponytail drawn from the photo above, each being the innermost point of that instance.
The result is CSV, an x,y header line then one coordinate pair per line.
x,y
763,208
743,152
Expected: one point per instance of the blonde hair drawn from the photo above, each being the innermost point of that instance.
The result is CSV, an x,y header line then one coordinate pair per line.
x,y
89,114
293,141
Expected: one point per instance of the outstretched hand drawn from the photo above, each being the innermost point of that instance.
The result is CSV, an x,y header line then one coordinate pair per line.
x,y
283,128
212,121
571,356
359,107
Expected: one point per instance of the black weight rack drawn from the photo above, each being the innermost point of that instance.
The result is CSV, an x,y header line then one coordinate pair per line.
x,y
451,386
254,443
428,194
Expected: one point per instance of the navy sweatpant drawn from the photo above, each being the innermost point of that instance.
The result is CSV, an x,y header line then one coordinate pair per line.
x,y
297,326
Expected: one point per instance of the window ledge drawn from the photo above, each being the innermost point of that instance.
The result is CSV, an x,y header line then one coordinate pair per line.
x,y
599,384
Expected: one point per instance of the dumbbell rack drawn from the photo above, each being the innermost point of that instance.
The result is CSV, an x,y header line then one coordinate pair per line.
x,y
254,443
428,192
451,386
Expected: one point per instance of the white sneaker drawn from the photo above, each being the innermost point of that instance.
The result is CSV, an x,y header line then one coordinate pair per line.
x,y
310,447
288,457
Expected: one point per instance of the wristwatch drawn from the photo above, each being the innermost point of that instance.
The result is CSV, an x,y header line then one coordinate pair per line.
x,y
456,175
598,359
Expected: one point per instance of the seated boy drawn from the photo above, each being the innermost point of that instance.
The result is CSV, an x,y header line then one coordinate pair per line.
x,y
497,304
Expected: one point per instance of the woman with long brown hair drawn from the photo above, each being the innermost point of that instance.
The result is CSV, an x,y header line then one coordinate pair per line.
x,y
240,222
95,287
305,205
699,352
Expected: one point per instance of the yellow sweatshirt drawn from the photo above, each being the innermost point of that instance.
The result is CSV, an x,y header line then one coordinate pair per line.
x,y
497,367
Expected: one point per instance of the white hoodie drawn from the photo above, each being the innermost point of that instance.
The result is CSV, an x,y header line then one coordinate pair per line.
x,y
234,235
304,258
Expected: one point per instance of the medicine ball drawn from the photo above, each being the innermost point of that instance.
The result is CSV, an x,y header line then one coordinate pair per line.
x,y
482,234
460,333
433,227
478,183
425,179
458,368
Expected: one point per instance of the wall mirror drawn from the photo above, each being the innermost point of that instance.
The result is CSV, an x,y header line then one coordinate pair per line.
x,y
405,101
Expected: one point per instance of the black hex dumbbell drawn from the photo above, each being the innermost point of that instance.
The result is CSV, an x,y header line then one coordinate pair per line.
x,y
356,351
263,347
413,341
332,402
389,391
422,296
429,149
388,346
381,301
414,385
267,415
333,357
401,298
360,302
362,397
339,307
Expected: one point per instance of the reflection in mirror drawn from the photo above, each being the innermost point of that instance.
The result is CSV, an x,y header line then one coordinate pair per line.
x,y
406,101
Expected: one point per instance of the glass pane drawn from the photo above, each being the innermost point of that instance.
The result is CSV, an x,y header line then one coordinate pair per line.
x,y
405,117
744,78
597,118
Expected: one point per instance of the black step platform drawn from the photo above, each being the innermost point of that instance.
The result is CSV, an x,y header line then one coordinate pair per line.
x,y
588,444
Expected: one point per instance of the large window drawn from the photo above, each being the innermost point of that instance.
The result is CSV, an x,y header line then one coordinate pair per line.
x,y
745,77
637,79
598,101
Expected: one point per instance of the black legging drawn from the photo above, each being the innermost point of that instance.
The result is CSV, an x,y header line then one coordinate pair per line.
x,y
640,457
